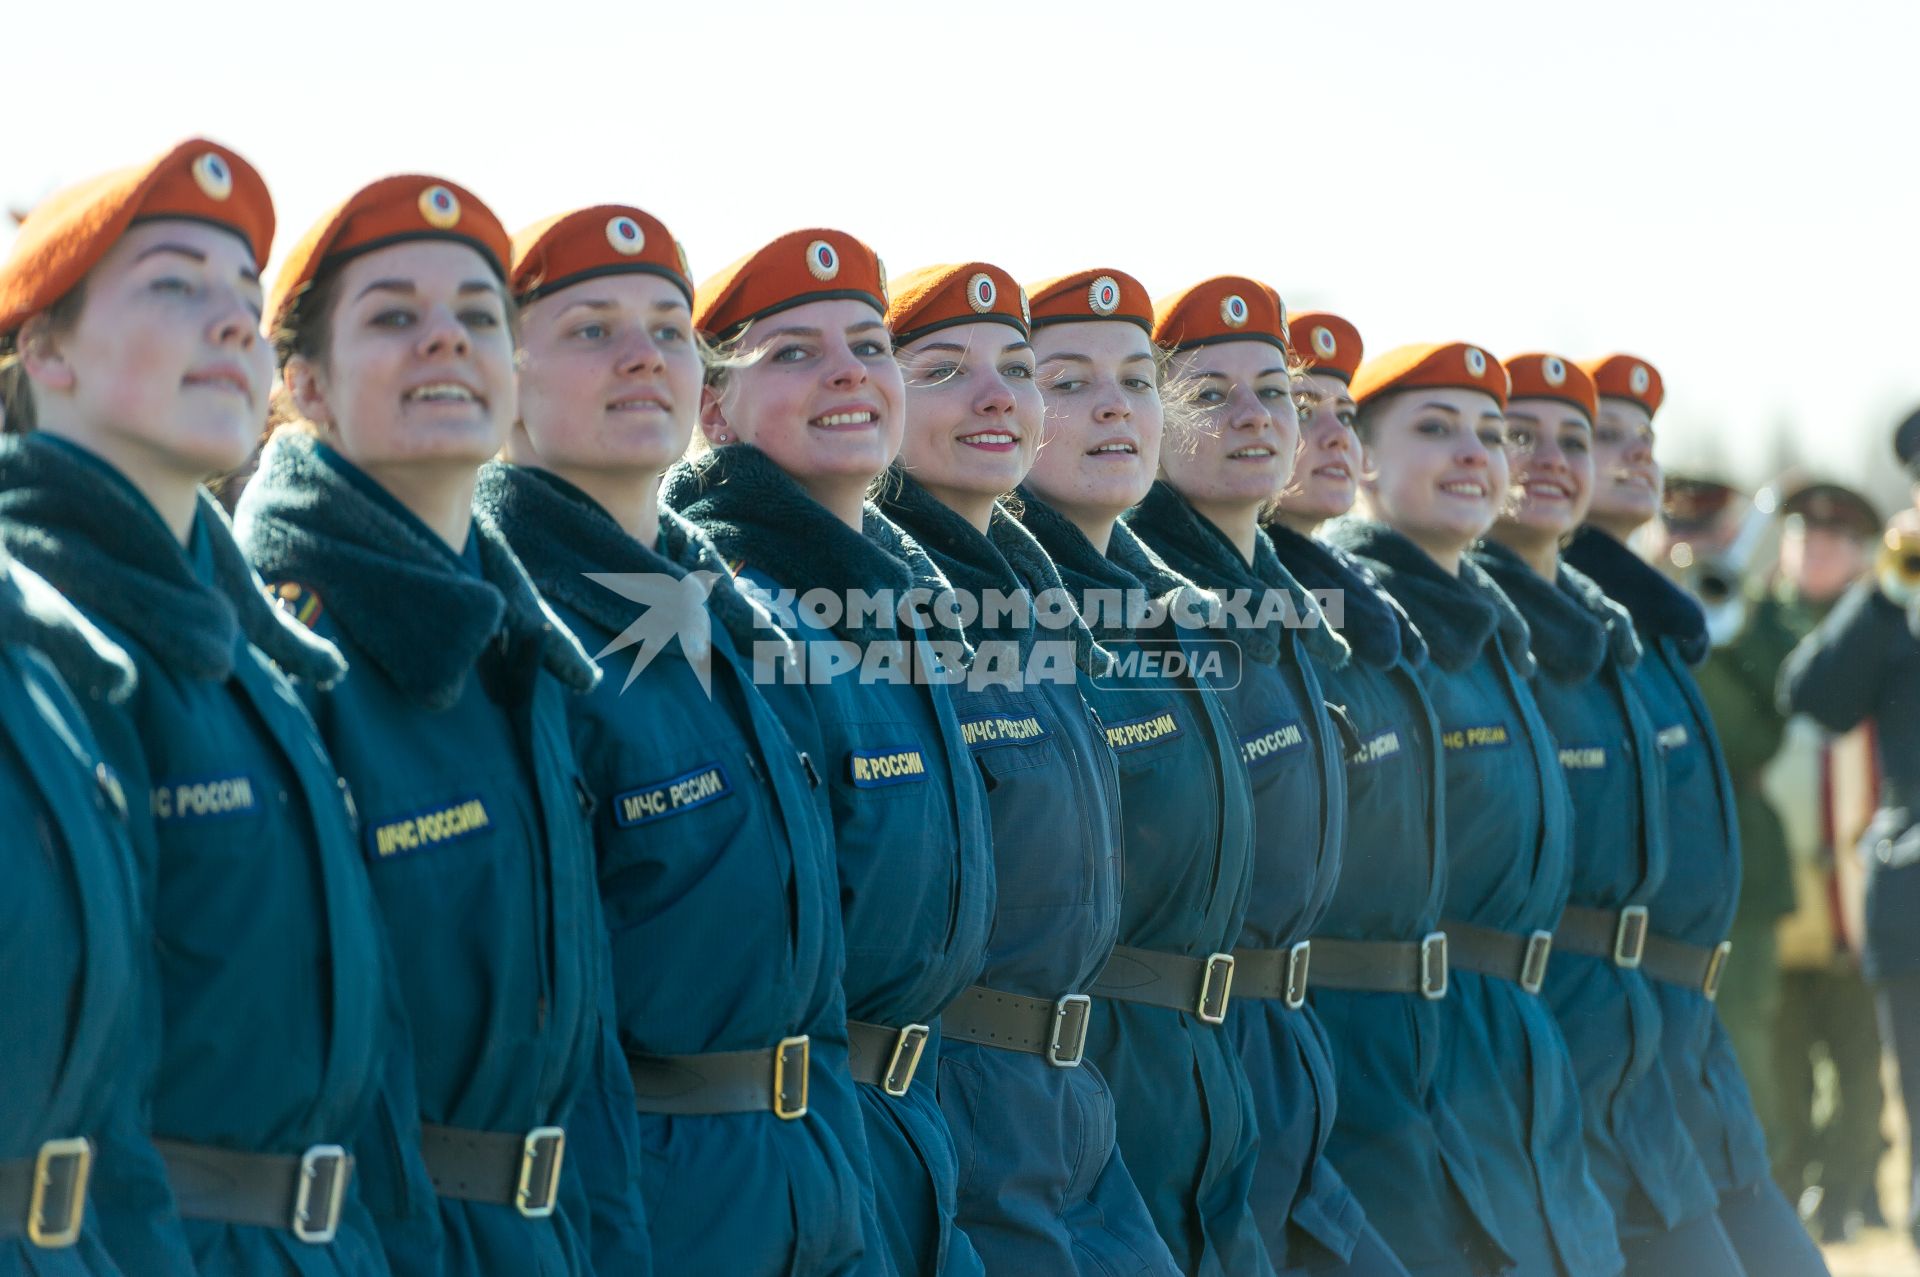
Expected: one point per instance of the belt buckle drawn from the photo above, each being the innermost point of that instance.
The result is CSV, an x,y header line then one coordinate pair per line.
x,y
1216,988
792,1058
1630,937
907,1049
319,1192
1533,966
1433,966
540,1156
60,1172
1299,962
1716,967
1068,1044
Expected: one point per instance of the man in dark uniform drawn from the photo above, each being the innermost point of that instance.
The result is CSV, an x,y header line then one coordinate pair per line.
x,y
1861,664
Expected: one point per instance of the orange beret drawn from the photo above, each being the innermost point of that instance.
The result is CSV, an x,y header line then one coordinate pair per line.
x,y
800,267
393,210
1328,343
607,239
68,234
1449,366
1537,376
936,297
1627,377
1089,295
1224,308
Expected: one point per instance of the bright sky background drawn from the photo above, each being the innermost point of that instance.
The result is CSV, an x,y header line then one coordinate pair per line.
x,y
1729,189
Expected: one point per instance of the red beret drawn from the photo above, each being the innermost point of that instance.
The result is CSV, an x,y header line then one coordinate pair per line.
x,y
392,210
1090,295
1328,343
68,234
1449,366
1537,376
936,297
800,267
1627,377
1224,308
607,239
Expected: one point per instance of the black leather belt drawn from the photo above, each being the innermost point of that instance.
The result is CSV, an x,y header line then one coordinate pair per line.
x,y
1055,1028
1199,986
884,1057
300,1193
1507,955
1691,966
1618,935
506,1169
766,1080
1275,975
43,1198
1383,966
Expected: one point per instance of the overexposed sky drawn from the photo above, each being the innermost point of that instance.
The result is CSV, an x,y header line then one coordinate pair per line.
x,y
1730,189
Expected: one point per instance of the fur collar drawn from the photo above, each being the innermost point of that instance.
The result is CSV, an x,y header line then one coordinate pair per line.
x,y
90,533
1575,627
33,614
1659,608
1128,565
1374,625
561,535
1457,615
1195,547
390,585
1038,573
756,514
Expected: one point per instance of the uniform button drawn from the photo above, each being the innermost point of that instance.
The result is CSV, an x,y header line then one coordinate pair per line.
x,y
1884,850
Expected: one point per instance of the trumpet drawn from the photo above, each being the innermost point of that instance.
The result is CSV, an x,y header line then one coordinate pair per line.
x,y
1897,566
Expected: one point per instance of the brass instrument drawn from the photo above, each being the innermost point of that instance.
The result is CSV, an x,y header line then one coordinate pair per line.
x,y
1897,567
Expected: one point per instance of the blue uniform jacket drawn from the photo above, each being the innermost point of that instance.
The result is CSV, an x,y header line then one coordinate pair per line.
x,y
717,883
1183,1105
1504,1065
1864,663
1042,1187
70,924
1397,1140
452,730
1585,652
905,802
268,995
1294,760
1696,901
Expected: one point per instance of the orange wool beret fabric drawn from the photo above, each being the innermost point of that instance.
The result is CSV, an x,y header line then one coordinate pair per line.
x,y
1224,308
1448,366
68,234
800,267
607,239
1329,344
936,297
393,210
1091,295
1538,376
1627,377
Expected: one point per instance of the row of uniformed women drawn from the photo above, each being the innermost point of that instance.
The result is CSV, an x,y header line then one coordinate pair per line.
x,y
473,960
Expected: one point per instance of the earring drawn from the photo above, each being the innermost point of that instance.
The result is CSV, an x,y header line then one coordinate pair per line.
x,y
723,437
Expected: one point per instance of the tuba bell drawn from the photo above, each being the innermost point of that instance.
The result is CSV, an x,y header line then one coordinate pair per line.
x,y
1897,566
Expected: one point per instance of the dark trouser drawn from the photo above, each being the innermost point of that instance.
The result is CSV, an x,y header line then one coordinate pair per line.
x,y
1829,1011
1698,1247
1767,1234
1898,999
1749,1005
1371,1258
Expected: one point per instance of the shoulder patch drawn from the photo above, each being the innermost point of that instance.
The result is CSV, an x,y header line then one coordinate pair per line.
x,y
300,601
875,769
429,828
1486,736
661,798
993,730
1271,744
1139,733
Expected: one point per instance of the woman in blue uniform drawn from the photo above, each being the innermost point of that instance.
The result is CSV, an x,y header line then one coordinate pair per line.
x,y
804,412
392,326
1228,339
703,814
1042,1187
134,305
1381,962
1691,912
69,935
1584,653
1183,1107
1430,419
